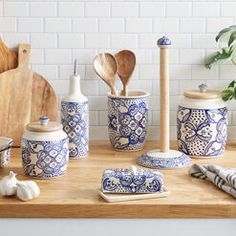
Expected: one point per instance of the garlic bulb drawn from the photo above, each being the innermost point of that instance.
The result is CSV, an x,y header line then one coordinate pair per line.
x,y
8,185
27,190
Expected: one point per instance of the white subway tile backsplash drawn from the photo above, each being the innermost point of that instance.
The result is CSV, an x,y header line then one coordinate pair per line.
x,y
43,9
129,9
57,24
138,25
166,25
124,41
152,9
71,9
84,56
216,24
206,8
16,8
97,9
191,56
97,40
58,56
37,56
13,39
192,25
71,40
112,25
65,71
44,40
30,24
60,31
228,8
85,25
1,8
7,24
179,8
47,71
201,72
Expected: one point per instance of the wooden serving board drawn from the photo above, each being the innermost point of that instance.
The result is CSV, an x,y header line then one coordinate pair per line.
x,y
25,96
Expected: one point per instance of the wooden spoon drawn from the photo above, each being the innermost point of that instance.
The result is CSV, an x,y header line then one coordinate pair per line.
x,y
8,57
126,62
106,68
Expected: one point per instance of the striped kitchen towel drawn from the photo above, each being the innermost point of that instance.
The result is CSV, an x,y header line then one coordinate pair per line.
x,y
223,178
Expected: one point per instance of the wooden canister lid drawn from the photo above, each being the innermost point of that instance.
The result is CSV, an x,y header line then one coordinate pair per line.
x,y
44,125
203,93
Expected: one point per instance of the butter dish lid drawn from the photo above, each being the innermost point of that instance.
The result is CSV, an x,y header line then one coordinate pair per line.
x,y
44,125
203,93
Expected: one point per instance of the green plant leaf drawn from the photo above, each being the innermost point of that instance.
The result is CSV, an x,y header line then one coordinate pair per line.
x,y
232,38
225,31
221,55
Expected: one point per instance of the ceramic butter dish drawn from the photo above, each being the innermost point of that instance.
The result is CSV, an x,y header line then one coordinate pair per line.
x,y
132,181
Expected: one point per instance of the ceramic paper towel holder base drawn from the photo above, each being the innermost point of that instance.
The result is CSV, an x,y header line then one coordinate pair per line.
x,y
164,157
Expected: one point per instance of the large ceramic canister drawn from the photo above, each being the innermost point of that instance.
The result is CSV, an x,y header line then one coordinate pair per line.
x,y
128,120
45,149
202,123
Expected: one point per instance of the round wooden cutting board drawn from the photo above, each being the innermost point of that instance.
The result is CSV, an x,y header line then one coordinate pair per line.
x,y
25,96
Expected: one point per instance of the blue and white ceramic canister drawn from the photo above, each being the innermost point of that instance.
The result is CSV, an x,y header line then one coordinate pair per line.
x,y
75,119
128,120
202,123
45,149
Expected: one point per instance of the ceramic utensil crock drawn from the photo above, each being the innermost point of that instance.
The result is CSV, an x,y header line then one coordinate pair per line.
x,y
75,119
128,120
5,150
45,151
202,123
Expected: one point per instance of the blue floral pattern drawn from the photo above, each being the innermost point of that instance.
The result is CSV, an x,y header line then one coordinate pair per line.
x,y
126,181
127,122
44,159
74,118
202,132
178,161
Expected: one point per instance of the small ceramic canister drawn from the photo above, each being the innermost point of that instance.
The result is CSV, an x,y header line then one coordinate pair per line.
x,y
5,150
202,123
45,151
128,120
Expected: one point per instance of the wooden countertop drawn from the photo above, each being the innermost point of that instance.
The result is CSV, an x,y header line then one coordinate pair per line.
x,y
74,195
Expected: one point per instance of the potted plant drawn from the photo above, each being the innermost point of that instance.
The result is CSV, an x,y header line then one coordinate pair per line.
x,y
226,39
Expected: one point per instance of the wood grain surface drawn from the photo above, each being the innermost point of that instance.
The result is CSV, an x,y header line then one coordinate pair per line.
x,y
25,96
75,196
8,57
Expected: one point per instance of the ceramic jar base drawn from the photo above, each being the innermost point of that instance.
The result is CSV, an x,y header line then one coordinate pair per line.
x,y
168,160
44,159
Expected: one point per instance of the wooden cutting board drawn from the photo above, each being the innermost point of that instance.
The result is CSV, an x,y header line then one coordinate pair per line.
x,y
25,96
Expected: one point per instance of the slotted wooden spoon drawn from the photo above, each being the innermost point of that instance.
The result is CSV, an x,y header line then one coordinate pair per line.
x,y
8,57
126,62
105,66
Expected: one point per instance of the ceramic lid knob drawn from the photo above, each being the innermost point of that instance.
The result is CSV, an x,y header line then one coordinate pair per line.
x,y
203,88
44,125
164,42
44,120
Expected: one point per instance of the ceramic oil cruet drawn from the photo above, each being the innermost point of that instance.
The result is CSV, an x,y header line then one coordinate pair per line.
x,y
202,123
75,118
45,151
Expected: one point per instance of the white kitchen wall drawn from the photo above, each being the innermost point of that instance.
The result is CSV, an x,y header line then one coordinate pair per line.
x,y
60,31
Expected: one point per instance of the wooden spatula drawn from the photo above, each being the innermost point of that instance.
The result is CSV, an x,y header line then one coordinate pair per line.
x,y
25,96
8,57
106,68
126,62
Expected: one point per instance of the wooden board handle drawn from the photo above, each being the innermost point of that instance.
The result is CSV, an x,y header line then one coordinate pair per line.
x,y
24,55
